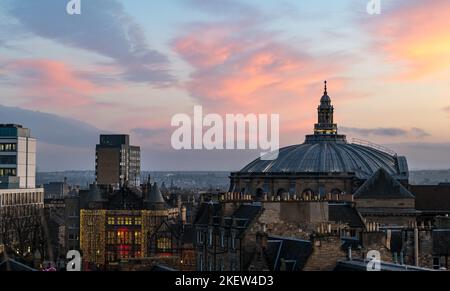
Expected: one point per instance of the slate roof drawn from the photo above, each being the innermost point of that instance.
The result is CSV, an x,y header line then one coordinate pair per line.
x,y
345,213
293,252
330,156
381,185
154,199
12,265
205,211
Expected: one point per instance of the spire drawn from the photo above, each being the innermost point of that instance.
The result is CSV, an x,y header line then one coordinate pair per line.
x,y
325,123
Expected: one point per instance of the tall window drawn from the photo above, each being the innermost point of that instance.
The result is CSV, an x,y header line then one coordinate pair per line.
x,y
222,238
164,244
210,236
199,237
200,262
233,240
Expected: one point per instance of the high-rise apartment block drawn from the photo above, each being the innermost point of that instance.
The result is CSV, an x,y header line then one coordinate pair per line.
x,y
117,162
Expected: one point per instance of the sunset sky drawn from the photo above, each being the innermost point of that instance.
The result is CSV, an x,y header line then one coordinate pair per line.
x,y
129,66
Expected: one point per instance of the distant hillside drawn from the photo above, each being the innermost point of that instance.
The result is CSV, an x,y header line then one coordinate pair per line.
x,y
206,180
429,177
185,180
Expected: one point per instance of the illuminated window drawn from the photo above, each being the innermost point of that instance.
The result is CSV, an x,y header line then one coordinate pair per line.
x,y
137,221
111,237
8,147
137,237
164,244
111,221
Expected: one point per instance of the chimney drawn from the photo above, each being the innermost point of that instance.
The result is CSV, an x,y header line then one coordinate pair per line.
x,y
183,215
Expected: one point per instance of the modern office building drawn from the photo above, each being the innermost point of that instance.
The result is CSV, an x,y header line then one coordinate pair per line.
x,y
21,203
117,162
17,157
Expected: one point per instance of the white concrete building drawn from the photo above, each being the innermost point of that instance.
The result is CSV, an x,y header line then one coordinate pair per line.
x,y
17,157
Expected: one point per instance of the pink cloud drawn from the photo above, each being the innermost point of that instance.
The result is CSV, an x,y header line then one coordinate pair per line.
x,y
417,34
236,70
52,83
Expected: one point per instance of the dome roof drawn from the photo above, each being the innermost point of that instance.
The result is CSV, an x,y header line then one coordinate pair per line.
x,y
328,152
331,157
325,99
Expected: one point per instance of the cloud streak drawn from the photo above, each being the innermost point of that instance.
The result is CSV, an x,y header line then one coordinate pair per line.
x,y
103,28
386,131
52,83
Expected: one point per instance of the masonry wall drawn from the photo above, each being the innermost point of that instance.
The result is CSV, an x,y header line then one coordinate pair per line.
x,y
326,254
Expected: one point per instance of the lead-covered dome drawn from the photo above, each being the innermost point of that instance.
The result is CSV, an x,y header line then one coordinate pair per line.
x,y
331,157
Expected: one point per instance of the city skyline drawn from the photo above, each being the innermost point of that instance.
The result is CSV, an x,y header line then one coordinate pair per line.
x,y
141,63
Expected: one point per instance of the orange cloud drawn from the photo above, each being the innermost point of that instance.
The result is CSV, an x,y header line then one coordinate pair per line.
x,y
52,83
416,33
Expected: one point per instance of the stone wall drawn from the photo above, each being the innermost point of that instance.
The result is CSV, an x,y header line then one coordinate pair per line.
x,y
326,253
386,203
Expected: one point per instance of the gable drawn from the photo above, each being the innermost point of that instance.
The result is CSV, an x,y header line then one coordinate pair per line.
x,y
381,185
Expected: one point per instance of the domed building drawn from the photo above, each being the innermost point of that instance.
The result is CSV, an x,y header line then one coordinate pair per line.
x,y
326,163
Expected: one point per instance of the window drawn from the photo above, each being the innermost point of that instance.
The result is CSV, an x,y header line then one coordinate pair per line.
x,y
164,244
200,262
138,221
210,236
137,237
233,240
199,237
111,220
222,238
8,160
221,265
111,238
8,147
210,264
8,172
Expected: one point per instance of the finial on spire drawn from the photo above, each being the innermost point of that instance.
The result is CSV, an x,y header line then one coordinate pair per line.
x,y
325,92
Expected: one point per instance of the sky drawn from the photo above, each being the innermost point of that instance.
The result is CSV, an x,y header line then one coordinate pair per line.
x,y
130,66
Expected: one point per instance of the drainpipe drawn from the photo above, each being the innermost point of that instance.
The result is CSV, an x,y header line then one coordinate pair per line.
x,y
416,246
